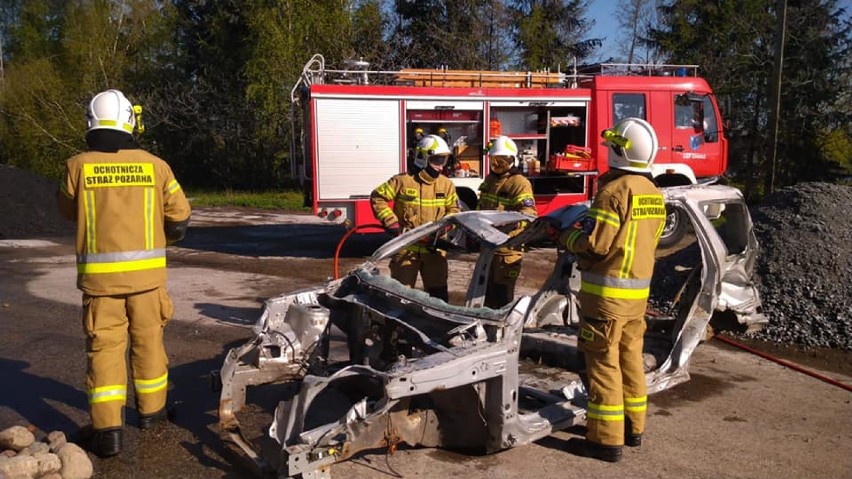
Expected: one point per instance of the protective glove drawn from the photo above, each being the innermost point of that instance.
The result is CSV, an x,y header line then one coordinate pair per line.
x,y
447,229
562,240
393,229
552,232
551,228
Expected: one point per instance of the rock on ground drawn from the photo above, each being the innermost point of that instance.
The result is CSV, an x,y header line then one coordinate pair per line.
x,y
16,438
75,463
55,440
48,463
19,466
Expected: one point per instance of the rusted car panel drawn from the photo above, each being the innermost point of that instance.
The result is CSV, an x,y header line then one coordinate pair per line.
x,y
378,364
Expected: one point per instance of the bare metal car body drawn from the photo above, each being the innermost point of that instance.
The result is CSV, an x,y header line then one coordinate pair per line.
x,y
420,371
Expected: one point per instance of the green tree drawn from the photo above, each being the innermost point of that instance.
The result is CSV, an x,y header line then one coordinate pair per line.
x,y
734,43
815,80
60,54
458,34
282,38
495,46
417,33
370,28
551,34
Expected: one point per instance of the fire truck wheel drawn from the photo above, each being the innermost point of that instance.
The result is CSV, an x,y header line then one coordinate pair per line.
x,y
676,226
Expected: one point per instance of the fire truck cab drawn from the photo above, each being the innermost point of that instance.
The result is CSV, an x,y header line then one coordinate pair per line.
x,y
358,128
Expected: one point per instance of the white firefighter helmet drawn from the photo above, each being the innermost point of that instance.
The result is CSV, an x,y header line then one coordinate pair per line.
x,y
633,145
429,146
110,110
504,154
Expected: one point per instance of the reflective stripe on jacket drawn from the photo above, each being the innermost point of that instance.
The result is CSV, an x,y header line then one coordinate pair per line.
x,y
121,201
616,247
418,199
510,191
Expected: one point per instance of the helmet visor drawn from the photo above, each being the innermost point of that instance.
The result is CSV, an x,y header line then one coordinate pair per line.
x,y
438,160
617,149
501,163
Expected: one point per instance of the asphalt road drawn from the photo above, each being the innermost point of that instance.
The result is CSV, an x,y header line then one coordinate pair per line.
x,y
739,417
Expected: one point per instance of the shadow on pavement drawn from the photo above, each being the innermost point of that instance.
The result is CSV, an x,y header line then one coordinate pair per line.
x,y
230,314
196,411
31,395
284,240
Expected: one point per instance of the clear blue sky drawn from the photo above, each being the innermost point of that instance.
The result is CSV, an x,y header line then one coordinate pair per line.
x,y
606,26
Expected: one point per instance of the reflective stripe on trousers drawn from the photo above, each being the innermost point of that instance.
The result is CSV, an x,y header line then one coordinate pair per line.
x,y
615,369
107,322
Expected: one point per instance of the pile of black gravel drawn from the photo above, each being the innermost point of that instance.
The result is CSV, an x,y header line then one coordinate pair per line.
x,y
804,271
28,206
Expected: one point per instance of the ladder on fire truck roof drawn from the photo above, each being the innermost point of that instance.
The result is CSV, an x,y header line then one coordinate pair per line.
x,y
356,73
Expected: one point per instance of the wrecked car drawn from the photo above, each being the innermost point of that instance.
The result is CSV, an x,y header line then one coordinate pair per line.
x,y
376,364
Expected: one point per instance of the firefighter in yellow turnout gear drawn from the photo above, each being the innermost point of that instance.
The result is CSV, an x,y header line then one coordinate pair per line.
x,y
505,189
615,246
128,206
419,196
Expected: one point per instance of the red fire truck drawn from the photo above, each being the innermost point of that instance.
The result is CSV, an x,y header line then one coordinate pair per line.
x,y
358,129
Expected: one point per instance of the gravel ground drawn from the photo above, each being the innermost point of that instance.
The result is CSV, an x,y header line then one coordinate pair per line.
x,y
804,270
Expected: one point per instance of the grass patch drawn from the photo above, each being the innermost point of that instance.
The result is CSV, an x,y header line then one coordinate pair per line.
x,y
289,200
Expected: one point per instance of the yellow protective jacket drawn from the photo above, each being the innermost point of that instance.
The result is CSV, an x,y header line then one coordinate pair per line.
x,y
121,202
418,199
616,245
510,191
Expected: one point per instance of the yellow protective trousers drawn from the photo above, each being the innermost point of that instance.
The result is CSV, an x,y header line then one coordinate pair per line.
x,y
616,378
502,277
107,320
429,263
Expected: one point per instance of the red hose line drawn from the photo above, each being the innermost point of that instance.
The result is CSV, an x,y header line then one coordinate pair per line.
x,y
784,363
343,240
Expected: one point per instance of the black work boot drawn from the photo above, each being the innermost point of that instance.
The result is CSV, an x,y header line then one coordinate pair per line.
x,y
106,442
147,421
631,439
586,448
440,293
497,296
